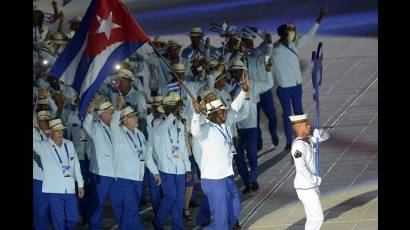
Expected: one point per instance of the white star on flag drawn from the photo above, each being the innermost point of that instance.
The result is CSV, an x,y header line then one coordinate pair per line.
x,y
106,25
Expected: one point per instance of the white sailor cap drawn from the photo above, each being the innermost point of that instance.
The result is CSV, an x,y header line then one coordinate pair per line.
x,y
298,118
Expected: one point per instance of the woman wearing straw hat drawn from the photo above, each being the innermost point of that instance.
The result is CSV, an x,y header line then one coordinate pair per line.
x,y
215,140
61,169
131,154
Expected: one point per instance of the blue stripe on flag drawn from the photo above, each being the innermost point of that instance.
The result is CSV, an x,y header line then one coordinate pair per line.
x,y
118,55
82,70
72,49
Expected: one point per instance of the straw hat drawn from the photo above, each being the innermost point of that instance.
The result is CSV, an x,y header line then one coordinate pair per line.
x,y
75,20
59,38
171,99
160,39
238,64
178,68
214,106
127,111
56,124
105,106
156,100
196,31
43,115
125,73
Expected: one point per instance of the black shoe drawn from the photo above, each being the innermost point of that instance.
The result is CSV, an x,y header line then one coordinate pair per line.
x,y
155,225
246,190
237,227
207,223
254,186
193,204
275,140
259,147
187,215
84,221
288,147
143,203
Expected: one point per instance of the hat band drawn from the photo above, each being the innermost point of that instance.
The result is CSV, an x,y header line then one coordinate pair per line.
x,y
242,67
299,121
216,109
51,127
101,109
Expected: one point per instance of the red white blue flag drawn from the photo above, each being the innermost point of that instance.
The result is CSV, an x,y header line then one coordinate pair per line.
x,y
108,34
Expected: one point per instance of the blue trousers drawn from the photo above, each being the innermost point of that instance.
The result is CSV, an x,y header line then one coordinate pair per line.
x,y
84,203
191,183
287,96
126,197
247,139
40,207
268,107
101,187
173,189
224,202
154,190
204,213
64,210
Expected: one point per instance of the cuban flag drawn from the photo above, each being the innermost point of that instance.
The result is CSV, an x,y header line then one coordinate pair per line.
x,y
108,34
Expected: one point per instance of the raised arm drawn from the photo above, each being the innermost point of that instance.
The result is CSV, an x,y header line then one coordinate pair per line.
x,y
307,37
163,126
88,121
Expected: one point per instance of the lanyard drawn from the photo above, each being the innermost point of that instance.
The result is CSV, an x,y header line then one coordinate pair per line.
x,y
66,152
129,137
292,50
106,131
170,138
227,137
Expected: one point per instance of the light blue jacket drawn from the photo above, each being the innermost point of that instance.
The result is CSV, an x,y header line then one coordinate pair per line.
x,y
54,180
285,60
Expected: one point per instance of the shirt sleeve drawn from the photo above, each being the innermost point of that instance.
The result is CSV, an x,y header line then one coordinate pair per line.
x,y
77,170
88,125
149,160
307,37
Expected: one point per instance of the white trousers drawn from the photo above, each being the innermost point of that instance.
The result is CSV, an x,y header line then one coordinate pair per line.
x,y
313,208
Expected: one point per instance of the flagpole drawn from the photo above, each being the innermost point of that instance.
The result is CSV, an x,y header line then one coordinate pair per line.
x,y
316,98
173,72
